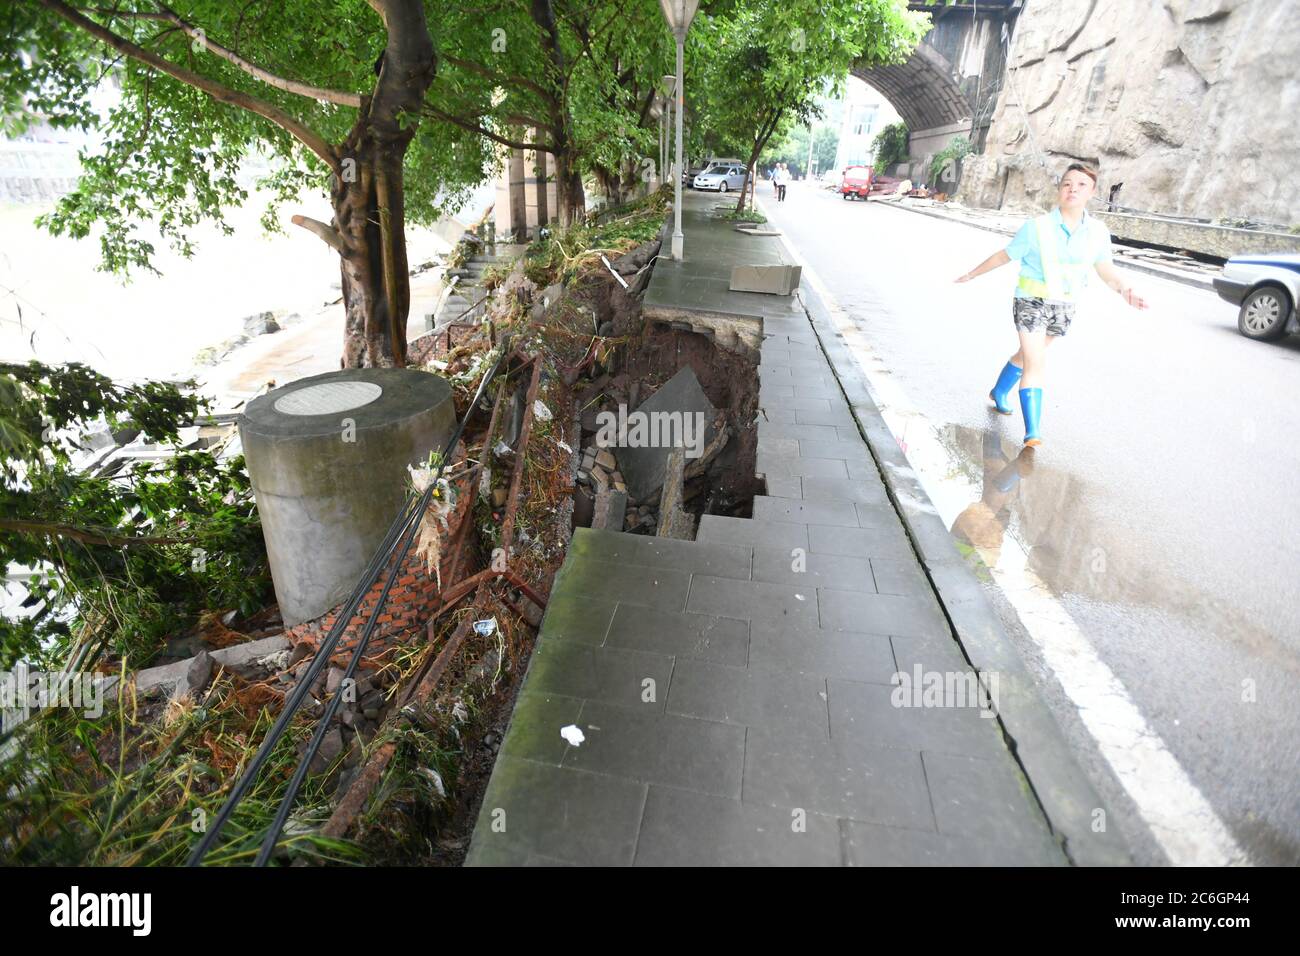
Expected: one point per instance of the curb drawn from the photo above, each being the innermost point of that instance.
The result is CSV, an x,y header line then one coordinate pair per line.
x,y
1067,798
1193,281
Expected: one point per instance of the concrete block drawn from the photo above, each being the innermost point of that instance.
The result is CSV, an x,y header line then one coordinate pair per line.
x,y
611,506
678,411
771,279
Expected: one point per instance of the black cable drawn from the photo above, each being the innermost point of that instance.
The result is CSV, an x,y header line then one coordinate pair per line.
x,y
407,518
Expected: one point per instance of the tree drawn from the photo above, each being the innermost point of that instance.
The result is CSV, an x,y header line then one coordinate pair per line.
x,y
331,90
572,78
762,66
118,561
890,145
793,149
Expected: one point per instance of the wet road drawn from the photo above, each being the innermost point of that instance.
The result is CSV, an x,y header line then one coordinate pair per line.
x,y
1162,514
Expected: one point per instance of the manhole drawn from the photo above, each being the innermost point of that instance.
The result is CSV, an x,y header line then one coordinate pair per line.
x,y
328,399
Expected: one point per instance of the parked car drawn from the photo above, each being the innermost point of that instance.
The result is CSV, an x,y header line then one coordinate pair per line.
x,y
721,178
688,177
855,183
1267,287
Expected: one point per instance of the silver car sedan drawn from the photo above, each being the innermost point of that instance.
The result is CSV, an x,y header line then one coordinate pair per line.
x,y
721,178
1267,287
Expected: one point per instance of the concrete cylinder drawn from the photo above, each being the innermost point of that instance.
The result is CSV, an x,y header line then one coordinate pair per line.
x,y
328,459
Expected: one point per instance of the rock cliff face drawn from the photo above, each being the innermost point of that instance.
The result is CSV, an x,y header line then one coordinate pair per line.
x,y
1193,105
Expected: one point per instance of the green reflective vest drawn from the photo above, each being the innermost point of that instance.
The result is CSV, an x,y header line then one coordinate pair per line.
x,y
1062,281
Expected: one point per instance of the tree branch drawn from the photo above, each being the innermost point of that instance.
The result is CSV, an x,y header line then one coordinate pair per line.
x,y
217,91
84,535
496,78
435,113
253,70
331,236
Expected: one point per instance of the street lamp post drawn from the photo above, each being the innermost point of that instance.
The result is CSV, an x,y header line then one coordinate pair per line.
x,y
679,14
667,84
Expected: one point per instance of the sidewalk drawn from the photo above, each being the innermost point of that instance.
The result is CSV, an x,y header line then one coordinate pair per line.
x,y
734,693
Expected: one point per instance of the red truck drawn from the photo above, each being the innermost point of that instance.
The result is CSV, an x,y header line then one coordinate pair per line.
x,y
855,182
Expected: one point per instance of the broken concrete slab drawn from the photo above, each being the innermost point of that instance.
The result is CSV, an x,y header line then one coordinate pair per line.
x,y
771,279
679,415
611,507
237,657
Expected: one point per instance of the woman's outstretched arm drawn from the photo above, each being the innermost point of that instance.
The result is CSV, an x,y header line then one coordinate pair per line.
x,y
999,258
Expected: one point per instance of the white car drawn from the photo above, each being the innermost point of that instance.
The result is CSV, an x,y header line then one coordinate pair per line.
x,y
1267,287
721,178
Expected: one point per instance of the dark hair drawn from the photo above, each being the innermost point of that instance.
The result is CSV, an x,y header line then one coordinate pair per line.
x,y
1081,168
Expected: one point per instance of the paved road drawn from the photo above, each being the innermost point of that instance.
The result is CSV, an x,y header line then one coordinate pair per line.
x,y
1162,513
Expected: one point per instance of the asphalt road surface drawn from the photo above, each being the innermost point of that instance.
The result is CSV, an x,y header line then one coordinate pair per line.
x,y
1162,514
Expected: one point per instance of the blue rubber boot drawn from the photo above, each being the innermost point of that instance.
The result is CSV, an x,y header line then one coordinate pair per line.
x,y
1031,406
1002,390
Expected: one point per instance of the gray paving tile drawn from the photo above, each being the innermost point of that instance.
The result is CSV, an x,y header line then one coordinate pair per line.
x,y
935,651
625,583
899,577
578,817
609,674
881,515
846,489
719,639
750,600
720,529
863,468
534,732
772,392
847,450
879,613
724,561
848,431
886,541
752,696
837,417
869,844
785,447
810,404
805,512
799,568
840,778
783,487
799,432
844,654
784,466
817,390
702,755
988,800
573,616
867,711
775,414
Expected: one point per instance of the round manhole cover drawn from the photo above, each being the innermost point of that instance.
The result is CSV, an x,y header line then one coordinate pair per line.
x,y
328,398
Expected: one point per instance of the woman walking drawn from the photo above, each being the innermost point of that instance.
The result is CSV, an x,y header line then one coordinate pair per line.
x,y
1055,251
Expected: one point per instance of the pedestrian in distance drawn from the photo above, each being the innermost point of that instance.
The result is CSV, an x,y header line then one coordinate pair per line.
x,y
782,178
1056,251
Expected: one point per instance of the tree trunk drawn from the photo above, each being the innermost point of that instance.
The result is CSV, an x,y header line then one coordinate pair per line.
x,y
568,188
369,216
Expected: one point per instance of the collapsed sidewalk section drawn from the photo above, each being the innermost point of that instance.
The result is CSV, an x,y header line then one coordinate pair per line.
x,y
757,695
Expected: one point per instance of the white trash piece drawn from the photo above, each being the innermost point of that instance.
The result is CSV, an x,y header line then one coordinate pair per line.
x,y
573,735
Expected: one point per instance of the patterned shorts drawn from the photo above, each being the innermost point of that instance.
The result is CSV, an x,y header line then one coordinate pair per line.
x,y
1033,314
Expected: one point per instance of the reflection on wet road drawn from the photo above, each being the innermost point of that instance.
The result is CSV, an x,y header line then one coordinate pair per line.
x,y
1161,515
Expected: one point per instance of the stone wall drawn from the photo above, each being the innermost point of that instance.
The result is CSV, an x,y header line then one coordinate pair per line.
x,y
1191,104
